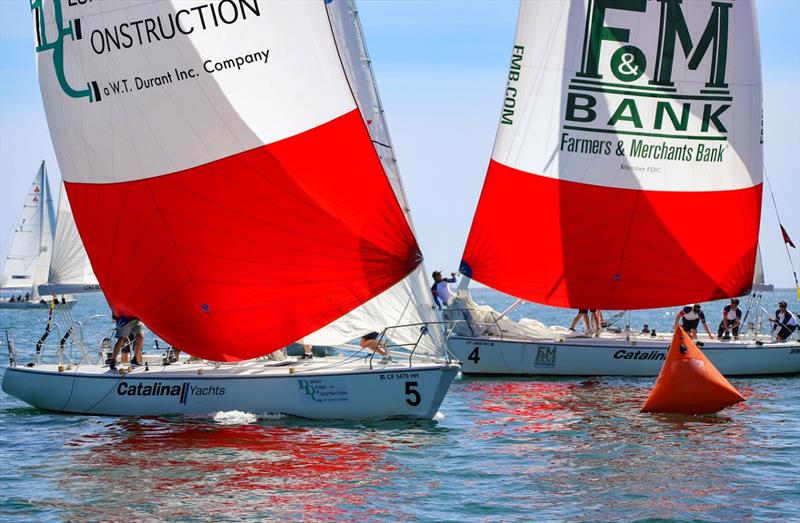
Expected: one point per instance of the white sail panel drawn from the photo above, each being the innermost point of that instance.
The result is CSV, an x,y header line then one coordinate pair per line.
x,y
627,112
187,100
408,303
70,268
759,282
32,238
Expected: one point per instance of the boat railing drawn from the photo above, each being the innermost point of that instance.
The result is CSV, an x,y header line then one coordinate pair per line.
x,y
53,343
421,329
12,348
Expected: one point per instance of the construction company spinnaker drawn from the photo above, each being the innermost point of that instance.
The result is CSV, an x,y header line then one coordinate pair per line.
x,y
251,177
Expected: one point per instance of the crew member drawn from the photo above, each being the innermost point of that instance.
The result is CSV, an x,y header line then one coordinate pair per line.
x,y
442,294
128,331
785,322
731,321
690,318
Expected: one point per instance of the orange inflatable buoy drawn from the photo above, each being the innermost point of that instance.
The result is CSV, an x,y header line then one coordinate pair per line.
x,y
688,383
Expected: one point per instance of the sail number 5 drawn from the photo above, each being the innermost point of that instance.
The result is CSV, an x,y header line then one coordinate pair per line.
x,y
411,390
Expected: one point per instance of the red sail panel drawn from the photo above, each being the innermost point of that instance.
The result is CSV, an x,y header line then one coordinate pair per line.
x,y
611,248
241,256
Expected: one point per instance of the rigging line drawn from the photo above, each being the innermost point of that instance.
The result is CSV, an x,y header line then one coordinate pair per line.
x,y
778,216
376,142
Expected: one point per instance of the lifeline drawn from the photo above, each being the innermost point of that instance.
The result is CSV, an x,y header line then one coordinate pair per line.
x,y
184,21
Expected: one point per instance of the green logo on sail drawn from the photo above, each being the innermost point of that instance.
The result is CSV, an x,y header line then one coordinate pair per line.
x,y
72,30
639,90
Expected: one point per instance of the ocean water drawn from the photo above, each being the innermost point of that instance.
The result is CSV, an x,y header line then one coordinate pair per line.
x,y
499,450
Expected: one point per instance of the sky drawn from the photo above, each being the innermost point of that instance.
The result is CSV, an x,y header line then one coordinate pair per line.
x,y
440,68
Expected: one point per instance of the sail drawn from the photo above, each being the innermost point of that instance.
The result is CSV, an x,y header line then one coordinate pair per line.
x,y
759,282
409,301
32,241
70,269
627,166
222,179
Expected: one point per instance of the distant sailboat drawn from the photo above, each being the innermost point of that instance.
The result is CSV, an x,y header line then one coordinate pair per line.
x,y
70,269
625,129
254,156
31,248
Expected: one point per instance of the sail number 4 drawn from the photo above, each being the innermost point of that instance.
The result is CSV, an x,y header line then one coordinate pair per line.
x,y
474,356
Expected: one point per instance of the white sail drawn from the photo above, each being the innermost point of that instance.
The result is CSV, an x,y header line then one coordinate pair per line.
x,y
759,283
31,245
70,270
409,301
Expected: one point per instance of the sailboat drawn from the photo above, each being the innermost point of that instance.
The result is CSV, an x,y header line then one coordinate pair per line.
x,y
70,269
245,149
624,130
31,249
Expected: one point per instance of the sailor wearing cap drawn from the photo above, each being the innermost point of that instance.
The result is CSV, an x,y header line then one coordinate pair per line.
x,y
785,322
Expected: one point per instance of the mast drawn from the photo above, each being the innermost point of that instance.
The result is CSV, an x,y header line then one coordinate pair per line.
x,y
46,235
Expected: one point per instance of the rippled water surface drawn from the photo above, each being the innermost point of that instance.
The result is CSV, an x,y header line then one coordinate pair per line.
x,y
499,450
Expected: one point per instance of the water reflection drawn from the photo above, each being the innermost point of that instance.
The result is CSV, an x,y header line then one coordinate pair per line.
x,y
590,447
178,469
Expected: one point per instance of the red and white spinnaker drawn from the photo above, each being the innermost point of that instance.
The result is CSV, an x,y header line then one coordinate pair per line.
x,y
224,182
627,168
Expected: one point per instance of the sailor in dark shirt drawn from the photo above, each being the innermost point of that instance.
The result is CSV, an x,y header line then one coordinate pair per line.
x,y
785,322
690,318
731,321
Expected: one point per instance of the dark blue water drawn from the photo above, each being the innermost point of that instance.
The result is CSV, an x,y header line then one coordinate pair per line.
x,y
500,450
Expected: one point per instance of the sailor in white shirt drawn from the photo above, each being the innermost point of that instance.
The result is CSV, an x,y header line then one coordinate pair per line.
x,y
690,317
442,293
731,321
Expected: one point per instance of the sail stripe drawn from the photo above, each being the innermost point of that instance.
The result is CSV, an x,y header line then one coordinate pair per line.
x,y
632,252
344,245
225,185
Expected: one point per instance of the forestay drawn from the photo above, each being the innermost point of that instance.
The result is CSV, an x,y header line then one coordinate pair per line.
x,y
630,130
222,178
70,269
32,242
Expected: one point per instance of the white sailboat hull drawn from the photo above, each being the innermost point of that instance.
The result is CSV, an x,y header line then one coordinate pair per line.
x,y
613,357
321,390
32,305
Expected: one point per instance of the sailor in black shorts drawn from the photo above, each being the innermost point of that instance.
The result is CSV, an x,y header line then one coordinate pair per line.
x,y
731,321
785,322
690,318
